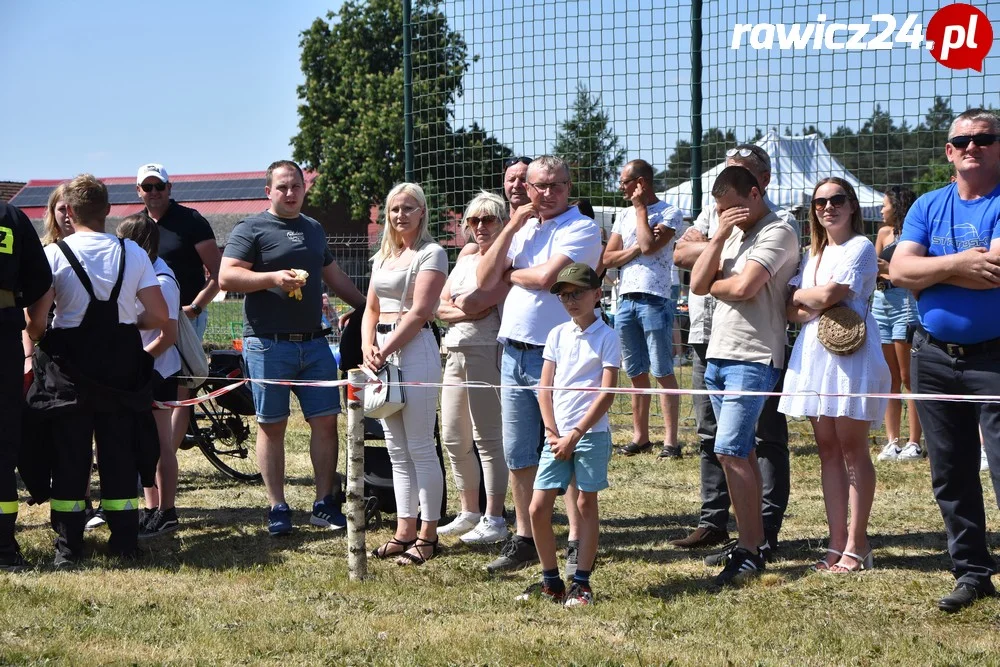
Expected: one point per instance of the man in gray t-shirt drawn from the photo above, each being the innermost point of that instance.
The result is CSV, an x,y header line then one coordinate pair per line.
x,y
746,267
280,259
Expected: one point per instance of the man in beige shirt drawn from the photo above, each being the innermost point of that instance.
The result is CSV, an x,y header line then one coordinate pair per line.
x,y
746,267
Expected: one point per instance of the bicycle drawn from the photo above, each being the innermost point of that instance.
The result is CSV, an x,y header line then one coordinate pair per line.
x,y
221,427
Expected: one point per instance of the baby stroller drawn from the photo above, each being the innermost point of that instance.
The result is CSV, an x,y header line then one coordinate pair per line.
x,y
379,496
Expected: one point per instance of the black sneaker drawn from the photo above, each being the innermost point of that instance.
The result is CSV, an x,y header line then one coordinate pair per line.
x,y
517,554
145,514
95,519
964,595
17,563
162,522
719,557
63,563
539,590
572,557
740,566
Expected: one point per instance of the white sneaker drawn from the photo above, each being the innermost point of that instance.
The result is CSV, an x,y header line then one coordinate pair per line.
x,y
984,464
890,452
911,452
490,530
464,522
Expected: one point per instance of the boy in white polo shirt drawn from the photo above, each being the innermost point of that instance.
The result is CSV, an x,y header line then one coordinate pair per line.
x,y
584,353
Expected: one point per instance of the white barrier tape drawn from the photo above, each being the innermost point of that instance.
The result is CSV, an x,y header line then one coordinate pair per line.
x,y
965,398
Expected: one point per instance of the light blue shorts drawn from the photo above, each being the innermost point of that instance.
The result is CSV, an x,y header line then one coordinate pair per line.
x,y
589,465
645,325
894,310
736,416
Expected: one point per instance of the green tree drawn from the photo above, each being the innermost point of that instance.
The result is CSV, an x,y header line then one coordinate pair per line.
x,y
714,144
351,110
589,144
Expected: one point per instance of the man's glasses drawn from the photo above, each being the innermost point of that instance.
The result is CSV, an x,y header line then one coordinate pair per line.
x,y
545,187
149,187
575,295
625,182
819,203
511,161
747,152
474,221
962,142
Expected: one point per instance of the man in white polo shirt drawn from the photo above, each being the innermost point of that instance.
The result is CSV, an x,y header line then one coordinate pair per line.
x,y
541,238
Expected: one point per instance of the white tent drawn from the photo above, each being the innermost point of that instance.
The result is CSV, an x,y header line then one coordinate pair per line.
x,y
797,163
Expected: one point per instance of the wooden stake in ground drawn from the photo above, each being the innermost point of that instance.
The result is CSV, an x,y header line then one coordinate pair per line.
x,y
357,552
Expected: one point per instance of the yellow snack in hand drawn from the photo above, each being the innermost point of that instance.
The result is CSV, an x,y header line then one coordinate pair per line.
x,y
302,275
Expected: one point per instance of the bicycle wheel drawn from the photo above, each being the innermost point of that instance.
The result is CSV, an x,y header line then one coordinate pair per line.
x,y
227,440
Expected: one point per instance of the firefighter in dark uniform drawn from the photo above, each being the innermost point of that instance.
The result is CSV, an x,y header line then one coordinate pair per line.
x,y
24,277
92,377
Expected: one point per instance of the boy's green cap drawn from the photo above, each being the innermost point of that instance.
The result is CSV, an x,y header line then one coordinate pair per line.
x,y
578,274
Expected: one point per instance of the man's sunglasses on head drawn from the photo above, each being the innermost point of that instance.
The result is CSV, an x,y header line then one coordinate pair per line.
x,y
149,187
962,141
511,161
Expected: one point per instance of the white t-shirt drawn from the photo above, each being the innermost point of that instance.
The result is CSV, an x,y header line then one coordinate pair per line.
x,y
169,362
389,283
580,358
100,256
648,274
700,307
529,315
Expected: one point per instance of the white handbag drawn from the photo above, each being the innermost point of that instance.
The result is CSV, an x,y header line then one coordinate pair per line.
x,y
387,397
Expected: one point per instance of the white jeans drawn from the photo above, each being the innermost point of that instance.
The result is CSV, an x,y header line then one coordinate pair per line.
x,y
409,434
474,414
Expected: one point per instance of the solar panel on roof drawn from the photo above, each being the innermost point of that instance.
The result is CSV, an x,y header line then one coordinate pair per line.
x,y
183,191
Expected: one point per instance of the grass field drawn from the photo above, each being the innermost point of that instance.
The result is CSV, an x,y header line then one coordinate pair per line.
x,y
221,591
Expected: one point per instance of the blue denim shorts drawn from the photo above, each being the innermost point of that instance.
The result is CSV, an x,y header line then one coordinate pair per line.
x,y
645,324
272,359
589,465
522,418
894,310
736,416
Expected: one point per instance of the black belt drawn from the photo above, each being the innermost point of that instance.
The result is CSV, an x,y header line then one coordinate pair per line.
x,y
642,297
958,350
387,328
518,345
299,337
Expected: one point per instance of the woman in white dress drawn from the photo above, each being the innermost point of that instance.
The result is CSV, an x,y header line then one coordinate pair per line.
x,y
840,269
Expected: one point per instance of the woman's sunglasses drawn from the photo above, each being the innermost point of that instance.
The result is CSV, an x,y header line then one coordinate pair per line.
x,y
819,203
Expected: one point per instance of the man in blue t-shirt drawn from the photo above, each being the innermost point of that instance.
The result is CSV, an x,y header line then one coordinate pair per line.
x,y
280,259
949,255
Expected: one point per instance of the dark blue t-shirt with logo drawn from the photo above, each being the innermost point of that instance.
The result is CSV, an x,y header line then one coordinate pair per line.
x,y
946,224
270,243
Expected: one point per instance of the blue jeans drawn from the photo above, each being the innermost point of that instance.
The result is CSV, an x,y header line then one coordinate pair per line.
x,y
272,359
645,324
736,416
522,418
200,323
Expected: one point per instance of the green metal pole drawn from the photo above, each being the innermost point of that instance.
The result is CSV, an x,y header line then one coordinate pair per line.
x,y
696,106
407,95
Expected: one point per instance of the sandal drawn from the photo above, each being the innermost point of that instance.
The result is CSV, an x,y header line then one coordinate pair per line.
x,y
383,552
634,448
821,564
864,563
407,558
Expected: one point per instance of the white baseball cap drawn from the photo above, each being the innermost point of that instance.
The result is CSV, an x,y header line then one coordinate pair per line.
x,y
147,170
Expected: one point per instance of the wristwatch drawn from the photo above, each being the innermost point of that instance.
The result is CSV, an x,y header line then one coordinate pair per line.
x,y
195,308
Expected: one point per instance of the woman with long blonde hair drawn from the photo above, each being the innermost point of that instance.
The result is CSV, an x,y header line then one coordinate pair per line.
x,y
408,274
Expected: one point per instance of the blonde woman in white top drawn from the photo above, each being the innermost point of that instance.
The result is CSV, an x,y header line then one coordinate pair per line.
x,y
469,415
396,327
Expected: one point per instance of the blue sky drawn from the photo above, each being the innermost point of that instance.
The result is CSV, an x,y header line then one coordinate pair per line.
x,y
209,86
